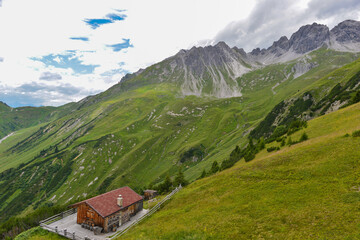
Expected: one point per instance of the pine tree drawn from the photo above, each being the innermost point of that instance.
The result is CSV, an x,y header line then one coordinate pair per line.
x,y
214,167
180,179
261,144
251,143
166,186
356,97
249,156
282,142
289,142
304,137
203,174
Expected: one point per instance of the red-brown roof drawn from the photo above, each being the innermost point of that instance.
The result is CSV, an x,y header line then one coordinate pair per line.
x,y
106,204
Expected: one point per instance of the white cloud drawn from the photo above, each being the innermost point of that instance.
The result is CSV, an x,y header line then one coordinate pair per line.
x,y
157,29
271,19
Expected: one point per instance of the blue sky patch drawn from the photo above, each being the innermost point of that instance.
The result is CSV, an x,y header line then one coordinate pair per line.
x,y
116,16
113,72
109,18
85,39
119,46
68,60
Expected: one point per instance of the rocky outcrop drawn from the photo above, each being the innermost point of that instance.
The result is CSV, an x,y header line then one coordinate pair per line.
x,y
309,38
347,31
210,70
346,36
302,67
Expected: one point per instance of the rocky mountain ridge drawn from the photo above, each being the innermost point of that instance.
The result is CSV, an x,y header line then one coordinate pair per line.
x,y
343,37
214,70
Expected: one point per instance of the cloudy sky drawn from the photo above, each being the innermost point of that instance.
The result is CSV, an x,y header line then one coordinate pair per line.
x,y
54,52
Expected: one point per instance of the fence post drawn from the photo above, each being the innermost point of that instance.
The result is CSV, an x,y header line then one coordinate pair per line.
x,y
56,229
65,232
74,236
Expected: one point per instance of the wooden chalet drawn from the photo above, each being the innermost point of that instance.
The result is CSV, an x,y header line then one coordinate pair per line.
x,y
150,194
109,210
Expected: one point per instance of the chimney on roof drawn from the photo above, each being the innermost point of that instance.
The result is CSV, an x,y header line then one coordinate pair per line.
x,y
120,201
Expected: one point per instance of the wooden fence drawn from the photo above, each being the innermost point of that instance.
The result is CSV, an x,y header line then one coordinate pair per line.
x,y
45,225
58,217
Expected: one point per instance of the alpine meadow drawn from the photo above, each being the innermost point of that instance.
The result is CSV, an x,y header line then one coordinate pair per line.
x,y
261,144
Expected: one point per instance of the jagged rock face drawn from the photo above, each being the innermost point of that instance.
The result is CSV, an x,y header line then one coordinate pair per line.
x,y
309,37
347,31
283,44
306,39
209,70
199,60
303,67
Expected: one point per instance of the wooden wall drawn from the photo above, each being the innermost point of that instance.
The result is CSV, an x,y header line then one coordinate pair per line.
x,y
86,214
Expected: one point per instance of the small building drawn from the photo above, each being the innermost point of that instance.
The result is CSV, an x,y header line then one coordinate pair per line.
x,y
150,194
109,210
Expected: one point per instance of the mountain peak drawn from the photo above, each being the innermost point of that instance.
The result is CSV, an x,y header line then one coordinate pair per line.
x,y
347,31
309,38
221,44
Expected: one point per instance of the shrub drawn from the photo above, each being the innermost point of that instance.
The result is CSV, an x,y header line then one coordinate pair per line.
x,y
356,98
290,142
249,156
166,186
214,167
203,174
197,152
282,142
180,179
235,156
279,131
261,144
304,137
271,149
356,133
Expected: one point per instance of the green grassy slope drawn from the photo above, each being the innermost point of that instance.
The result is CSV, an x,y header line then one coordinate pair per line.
x,y
307,191
4,107
136,137
13,119
38,234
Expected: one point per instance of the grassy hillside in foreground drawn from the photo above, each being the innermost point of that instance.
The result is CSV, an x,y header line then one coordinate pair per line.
x,y
307,191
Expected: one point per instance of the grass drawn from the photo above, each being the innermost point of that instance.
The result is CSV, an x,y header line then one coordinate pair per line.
x,y
38,234
148,204
137,137
9,161
307,191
